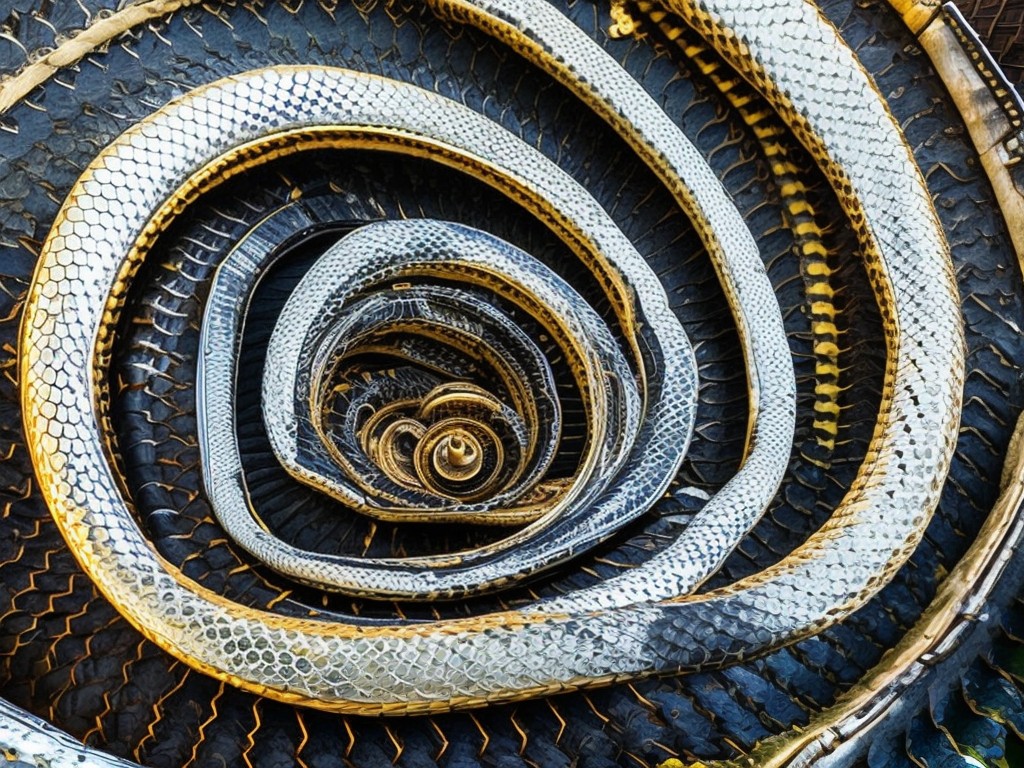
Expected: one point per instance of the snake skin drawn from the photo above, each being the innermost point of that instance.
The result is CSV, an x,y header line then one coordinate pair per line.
x,y
519,655
714,595
40,744
393,251
422,240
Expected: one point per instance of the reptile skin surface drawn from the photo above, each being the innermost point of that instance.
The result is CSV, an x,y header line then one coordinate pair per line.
x,y
387,359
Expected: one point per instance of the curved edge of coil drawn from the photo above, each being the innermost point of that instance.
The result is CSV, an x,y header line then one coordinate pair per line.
x,y
990,106
991,109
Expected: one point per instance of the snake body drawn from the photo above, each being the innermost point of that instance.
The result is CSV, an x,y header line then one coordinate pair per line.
x,y
644,621
770,134
669,402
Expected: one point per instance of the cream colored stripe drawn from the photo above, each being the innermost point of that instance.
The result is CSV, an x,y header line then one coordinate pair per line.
x,y
88,40
986,120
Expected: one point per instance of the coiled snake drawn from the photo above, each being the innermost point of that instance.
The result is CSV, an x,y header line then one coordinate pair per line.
x,y
447,307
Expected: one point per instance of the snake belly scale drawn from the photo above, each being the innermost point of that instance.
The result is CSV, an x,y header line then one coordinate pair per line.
x,y
646,621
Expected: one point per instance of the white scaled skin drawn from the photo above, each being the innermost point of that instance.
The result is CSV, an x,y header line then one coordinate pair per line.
x,y
643,623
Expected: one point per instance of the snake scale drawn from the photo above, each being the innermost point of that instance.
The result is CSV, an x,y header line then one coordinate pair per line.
x,y
612,633
492,357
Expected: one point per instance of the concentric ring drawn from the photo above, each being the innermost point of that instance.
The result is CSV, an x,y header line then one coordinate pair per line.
x,y
470,662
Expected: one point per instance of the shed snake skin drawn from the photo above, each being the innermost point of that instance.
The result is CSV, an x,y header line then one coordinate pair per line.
x,y
645,621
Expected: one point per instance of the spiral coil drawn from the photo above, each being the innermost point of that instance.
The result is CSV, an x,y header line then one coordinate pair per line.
x,y
481,417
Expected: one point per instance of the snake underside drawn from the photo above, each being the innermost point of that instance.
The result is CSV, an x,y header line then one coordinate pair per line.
x,y
570,383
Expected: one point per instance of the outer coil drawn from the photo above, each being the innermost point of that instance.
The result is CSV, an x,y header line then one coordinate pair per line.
x,y
464,454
